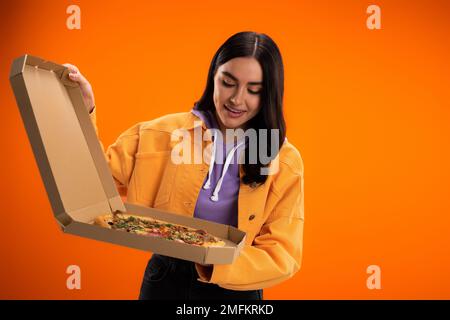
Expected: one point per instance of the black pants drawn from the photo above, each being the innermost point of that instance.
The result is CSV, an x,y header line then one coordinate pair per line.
x,y
171,278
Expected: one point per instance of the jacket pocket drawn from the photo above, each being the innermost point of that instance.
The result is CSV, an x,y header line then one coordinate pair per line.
x,y
154,175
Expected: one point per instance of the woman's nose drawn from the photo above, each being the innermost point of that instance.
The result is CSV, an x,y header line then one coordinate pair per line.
x,y
238,97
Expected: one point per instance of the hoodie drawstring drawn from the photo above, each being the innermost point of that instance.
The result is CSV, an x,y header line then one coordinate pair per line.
x,y
211,163
215,195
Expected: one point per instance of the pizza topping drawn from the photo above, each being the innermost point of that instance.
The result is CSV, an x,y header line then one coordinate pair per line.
x,y
153,228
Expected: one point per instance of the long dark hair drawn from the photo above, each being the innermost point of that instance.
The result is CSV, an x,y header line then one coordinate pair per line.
x,y
270,116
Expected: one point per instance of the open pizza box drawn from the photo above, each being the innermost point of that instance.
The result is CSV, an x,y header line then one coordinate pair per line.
x,y
76,175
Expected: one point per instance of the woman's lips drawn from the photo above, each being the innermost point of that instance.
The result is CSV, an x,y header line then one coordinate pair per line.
x,y
233,113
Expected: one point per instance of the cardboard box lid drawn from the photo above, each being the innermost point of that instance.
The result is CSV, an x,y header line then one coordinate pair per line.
x,y
67,151
76,174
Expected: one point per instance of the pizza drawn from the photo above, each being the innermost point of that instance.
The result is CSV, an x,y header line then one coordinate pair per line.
x,y
157,228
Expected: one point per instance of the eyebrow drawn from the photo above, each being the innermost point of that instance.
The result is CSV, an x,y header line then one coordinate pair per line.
x,y
235,79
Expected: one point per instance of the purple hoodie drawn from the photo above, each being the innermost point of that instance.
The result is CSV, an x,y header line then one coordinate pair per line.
x,y
218,200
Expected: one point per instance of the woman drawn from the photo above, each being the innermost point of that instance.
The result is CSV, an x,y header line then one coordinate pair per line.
x,y
244,90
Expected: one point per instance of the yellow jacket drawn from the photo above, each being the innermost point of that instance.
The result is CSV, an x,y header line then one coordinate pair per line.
x,y
272,214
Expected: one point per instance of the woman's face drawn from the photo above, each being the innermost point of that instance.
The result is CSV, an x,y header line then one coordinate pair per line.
x,y
237,90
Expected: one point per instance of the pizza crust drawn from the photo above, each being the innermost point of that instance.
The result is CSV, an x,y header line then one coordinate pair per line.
x,y
102,221
219,243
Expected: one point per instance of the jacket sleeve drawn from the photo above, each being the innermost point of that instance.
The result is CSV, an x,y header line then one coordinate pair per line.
x,y
120,156
276,252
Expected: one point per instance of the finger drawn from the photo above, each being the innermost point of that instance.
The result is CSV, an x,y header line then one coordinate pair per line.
x,y
71,67
75,77
78,77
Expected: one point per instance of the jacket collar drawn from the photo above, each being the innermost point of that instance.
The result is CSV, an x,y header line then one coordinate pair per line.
x,y
193,122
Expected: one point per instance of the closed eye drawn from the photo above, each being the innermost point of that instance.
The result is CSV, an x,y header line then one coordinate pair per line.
x,y
226,84
254,92
229,85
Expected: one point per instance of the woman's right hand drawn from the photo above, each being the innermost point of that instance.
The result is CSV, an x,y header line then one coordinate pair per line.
x,y
85,86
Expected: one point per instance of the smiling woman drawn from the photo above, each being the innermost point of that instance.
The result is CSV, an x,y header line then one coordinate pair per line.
x,y
236,97
244,90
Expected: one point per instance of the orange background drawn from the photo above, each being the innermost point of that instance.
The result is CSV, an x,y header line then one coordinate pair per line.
x,y
368,109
